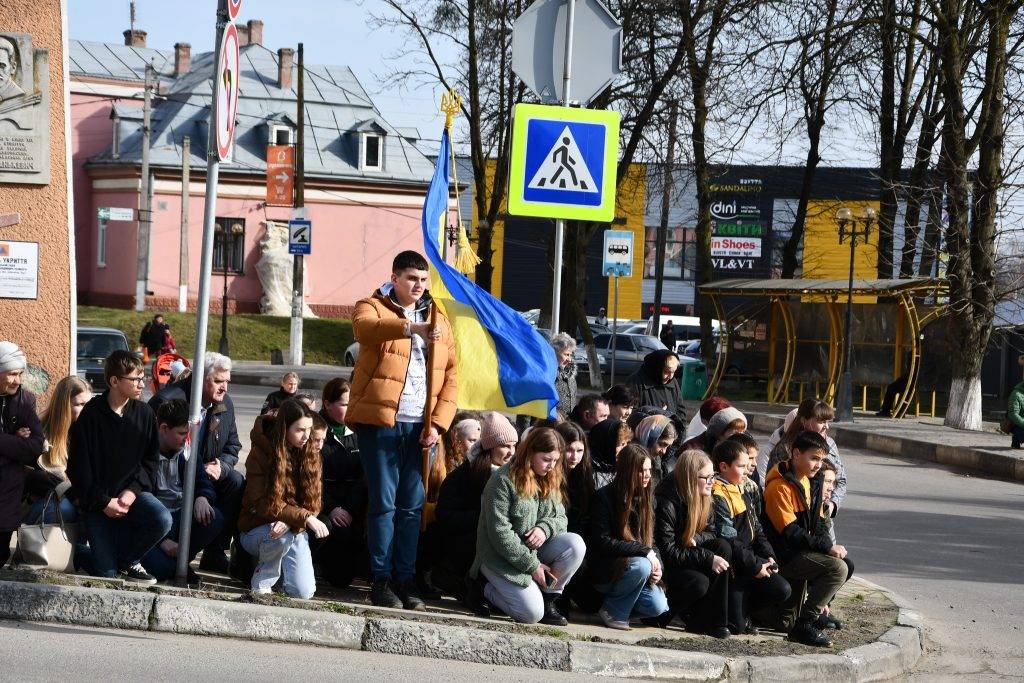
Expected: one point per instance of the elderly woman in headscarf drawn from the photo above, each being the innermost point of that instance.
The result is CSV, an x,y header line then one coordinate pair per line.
x,y
655,384
565,378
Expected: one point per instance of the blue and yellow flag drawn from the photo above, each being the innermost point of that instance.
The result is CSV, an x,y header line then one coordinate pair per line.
x,y
504,364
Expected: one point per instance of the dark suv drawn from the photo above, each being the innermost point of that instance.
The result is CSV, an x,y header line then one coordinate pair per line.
x,y
94,345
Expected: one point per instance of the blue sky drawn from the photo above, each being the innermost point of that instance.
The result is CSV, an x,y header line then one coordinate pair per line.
x,y
332,31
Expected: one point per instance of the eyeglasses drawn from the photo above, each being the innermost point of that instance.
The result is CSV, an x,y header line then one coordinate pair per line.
x,y
141,379
708,479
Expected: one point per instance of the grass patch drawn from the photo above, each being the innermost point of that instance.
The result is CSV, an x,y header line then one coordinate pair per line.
x,y
250,336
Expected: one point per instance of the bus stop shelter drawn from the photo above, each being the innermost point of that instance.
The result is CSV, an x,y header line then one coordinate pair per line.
x,y
888,339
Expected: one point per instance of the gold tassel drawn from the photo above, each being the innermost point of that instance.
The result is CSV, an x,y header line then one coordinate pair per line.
x,y
465,258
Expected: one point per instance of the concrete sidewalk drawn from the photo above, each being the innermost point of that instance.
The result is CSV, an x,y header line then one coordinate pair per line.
x,y
918,438
463,638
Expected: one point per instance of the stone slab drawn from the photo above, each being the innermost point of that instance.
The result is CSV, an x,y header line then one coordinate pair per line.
x,y
603,659
876,661
258,622
75,605
908,640
465,644
792,668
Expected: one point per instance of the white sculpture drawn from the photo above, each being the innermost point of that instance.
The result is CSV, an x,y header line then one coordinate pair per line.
x,y
275,272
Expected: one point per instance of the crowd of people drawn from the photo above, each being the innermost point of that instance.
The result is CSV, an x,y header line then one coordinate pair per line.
x,y
618,507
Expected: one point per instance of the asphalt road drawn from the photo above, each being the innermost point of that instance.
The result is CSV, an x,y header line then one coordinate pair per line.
x,y
42,652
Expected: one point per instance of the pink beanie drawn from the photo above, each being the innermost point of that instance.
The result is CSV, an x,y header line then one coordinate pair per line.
x,y
496,430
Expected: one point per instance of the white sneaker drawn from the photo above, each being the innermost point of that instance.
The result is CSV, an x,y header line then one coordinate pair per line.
x,y
611,622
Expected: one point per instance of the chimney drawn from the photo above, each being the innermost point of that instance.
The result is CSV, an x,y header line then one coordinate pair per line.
x,y
285,57
255,30
243,34
135,37
182,58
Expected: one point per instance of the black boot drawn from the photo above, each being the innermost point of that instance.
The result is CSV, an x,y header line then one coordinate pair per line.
x,y
804,631
408,594
552,617
426,586
381,594
825,621
475,601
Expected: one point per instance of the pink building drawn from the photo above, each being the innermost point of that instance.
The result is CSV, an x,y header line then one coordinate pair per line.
x,y
365,180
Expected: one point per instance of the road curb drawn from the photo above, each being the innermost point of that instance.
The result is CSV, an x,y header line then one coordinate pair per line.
x,y
980,460
895,653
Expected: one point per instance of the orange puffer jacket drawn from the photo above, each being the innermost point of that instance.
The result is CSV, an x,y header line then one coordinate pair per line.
x,y
380,372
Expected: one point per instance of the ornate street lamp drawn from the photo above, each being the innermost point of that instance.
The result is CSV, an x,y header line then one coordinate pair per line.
x,y
226,242
850,228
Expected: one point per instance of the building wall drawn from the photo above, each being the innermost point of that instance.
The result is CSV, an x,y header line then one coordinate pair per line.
x,y
497,238
824,256
43,327
629,205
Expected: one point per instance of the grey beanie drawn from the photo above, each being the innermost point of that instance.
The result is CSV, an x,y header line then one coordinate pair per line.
x,y
11,357
721,420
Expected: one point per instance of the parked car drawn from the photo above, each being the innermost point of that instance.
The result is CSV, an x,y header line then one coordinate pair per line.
x,y
630,350
94,344
691,349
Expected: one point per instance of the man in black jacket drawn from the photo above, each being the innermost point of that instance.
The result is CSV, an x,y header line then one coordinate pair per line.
x,y
218,450
112,463
21,441
153,334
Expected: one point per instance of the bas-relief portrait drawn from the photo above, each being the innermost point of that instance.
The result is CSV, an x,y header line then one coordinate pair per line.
x,y
24,111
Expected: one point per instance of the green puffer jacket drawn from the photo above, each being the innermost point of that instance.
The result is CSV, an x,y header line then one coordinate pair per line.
x,y
1015,407
504,517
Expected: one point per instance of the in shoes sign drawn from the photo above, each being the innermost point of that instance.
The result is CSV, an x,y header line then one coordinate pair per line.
x,y
737,228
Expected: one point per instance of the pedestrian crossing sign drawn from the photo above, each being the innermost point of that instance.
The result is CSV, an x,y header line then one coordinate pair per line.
x,y
563,163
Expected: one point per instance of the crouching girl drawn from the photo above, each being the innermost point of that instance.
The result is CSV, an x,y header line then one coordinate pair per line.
x,y
523,550
281,501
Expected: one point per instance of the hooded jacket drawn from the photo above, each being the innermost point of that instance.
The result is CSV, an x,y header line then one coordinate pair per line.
x,y
379,376
792,507
651,391
111,453
1015,406
602,439
16,453
221,436
343,483
736,521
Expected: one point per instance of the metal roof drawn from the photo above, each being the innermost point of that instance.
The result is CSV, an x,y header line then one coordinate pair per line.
x,y
338,109
745,287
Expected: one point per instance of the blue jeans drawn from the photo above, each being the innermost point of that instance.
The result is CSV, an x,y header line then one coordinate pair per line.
x,y
161,565
286,558
631,595
392,460
1017,436
119,543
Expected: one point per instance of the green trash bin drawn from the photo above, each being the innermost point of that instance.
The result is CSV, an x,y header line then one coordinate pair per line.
x,y
694,380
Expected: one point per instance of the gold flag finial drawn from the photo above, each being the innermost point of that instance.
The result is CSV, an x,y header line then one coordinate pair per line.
x,y
451,105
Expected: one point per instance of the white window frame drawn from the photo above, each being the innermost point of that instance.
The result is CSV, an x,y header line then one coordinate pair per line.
x,y
363,166
275,128
101,244
115,138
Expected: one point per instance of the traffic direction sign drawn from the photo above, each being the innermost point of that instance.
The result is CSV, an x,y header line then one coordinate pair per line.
x,y
618,253
115,213
227,93
280,175
538,49
300,237
563,163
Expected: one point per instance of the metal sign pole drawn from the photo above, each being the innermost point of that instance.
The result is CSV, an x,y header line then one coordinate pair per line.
x,y
615,327
202,310
556,289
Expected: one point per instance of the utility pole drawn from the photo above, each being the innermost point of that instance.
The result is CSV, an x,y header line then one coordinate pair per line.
x,y
666,197
300,203
145,200
186,158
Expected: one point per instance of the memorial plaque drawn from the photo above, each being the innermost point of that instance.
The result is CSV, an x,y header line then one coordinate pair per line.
x,y
24,111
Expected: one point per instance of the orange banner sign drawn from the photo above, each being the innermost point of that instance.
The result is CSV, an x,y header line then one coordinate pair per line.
x,y
280,175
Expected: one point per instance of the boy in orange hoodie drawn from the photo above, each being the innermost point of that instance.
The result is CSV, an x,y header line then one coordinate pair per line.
x,y
806,553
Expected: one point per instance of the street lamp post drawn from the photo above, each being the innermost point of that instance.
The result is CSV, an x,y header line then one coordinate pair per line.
x,y
851,228
227,234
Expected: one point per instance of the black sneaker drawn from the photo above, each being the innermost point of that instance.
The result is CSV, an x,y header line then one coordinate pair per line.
x,y
409,595
804,631
137,574
719,632
381,595
552,617
215,560
825,621
474,599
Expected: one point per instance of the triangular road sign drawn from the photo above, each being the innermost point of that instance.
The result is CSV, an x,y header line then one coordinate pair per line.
x,y
564,168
